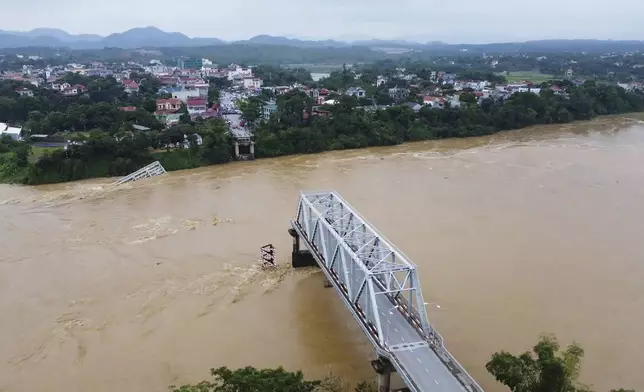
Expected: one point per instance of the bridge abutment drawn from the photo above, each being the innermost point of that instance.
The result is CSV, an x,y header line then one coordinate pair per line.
x,y
300,257
383,368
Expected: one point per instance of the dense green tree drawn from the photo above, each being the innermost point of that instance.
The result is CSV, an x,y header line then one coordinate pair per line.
x,y
250,379
279,76
250,108
546,369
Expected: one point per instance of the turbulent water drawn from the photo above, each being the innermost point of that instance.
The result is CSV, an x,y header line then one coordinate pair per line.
x,y
151,284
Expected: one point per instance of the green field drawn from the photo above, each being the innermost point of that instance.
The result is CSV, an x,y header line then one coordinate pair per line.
x,y
37,152
532,76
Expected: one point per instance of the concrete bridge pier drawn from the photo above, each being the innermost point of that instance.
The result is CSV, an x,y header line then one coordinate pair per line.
x,y
383,368
300,257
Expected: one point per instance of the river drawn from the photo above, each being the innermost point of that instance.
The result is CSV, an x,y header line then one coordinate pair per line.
x,y
150,284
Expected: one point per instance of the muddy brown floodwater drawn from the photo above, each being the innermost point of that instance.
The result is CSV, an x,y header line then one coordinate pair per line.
x,y
150,284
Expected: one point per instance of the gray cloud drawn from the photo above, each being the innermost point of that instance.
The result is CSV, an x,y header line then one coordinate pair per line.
x,y
453,21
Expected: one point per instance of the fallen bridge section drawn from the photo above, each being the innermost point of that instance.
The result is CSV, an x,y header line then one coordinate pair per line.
x,y
151,170
380,287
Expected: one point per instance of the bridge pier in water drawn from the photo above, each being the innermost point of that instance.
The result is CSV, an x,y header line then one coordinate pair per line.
x,y
244,149
383,368
300,257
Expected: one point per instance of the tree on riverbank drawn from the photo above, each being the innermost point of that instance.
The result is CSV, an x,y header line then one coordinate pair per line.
x,y
250,379
548,370
295,131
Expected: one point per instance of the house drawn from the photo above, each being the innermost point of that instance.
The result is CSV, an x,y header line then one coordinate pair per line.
x,y
268,109
434,102
130,86
252,83
381,81
168,105
398,93
237,72
166,117
186,141
127,108
202,88
209,113
74,90
414,106
25,92
357,92
13,132
197,105
183,95
60,86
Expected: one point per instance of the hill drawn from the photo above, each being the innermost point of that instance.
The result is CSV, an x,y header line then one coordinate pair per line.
x,y
152,37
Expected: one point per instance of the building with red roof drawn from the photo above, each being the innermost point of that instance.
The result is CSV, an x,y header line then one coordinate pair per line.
x,y
168,105
197,104
130,86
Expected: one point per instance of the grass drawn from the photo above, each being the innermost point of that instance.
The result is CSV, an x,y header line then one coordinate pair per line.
x,y
37,152
532,76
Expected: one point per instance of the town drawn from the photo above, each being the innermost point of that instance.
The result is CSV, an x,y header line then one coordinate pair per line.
x,y
261,110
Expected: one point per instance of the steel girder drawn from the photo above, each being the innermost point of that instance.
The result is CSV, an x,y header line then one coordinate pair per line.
x,y
364,263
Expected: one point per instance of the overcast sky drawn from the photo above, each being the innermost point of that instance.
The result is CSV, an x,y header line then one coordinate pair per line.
x,y
453,21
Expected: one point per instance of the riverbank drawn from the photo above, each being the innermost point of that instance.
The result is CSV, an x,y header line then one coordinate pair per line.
x,y
182,159
345,126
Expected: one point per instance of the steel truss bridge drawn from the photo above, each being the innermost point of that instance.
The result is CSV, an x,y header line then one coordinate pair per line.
x,y
381,289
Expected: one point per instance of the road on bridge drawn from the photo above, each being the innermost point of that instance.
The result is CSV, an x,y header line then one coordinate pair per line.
x,y
421,363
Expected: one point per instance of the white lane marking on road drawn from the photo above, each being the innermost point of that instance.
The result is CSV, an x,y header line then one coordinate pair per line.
x,y
436,382
403,339
389,321
418,360
396,329
427,370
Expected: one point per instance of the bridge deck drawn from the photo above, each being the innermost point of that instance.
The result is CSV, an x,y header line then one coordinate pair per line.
x,y
381,292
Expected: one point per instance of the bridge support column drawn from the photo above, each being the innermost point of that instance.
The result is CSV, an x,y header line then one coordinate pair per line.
x,y
383,367
300,258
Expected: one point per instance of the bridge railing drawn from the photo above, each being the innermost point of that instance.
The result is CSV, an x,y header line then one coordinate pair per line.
x,y
367,266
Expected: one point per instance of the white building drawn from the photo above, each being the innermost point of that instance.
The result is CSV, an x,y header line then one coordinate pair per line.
x,y
13,132
239,73
252,83
183,95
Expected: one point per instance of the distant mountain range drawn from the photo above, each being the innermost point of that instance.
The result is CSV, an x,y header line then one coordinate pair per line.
x,y
152,37
131,39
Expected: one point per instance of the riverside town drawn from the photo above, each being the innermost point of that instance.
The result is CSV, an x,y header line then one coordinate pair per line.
x,y
65,122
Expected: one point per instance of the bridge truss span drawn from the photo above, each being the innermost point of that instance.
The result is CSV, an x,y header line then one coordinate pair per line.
x,y
380,286
363,261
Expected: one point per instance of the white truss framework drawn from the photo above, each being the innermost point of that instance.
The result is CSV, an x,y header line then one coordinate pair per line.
x,y
374,278
365,264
